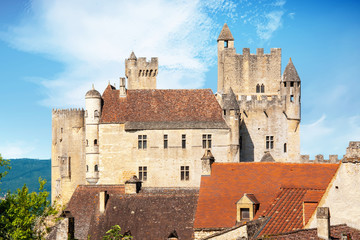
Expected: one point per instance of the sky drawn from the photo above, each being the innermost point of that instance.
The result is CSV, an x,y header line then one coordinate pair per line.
x,y
51,52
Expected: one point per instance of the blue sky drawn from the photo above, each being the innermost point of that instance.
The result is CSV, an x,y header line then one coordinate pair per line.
x,y
52,51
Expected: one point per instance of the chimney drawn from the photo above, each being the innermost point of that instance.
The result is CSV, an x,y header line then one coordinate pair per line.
x,y
103,198
323,222
206,161
122,87
133,185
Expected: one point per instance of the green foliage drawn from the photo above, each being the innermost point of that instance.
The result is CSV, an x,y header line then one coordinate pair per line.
x,y
5,164
23,214
115,234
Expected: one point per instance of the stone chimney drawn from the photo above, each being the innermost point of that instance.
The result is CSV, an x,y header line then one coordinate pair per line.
x,y
122,87
206,161
323,222
133,185
103,198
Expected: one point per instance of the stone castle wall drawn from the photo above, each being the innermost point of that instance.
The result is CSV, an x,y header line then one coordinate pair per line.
x,y
68,153
120,157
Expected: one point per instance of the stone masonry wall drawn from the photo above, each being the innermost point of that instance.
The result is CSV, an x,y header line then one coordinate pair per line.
x,y
120,157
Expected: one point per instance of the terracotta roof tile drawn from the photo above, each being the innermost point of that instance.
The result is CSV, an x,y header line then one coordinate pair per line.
x,y
335,233
155,105
150,214
229,181
287,211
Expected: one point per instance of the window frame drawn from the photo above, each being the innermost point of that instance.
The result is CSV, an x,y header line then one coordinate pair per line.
x,y
142,141
269,142
143,173
166,141
185,173
183,141
244,211
206,141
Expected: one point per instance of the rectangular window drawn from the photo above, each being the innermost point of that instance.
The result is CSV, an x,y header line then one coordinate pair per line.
x,y
226,44
291,84
269,142
206,140
142,141
285,148
165,141
183,141
143,173
184,173
291,98
245,214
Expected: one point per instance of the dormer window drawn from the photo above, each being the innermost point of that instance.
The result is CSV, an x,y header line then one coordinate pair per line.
x,y
226,44
247,207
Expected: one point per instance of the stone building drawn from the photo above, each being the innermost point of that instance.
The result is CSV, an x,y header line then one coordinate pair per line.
x,y
169,138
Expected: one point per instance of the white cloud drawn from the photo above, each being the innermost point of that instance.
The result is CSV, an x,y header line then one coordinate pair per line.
x,y
329,135
273,22
18,149
92,39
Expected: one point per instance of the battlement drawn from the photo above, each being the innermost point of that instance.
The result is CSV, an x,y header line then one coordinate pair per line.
x,y
319,159
260,101
260,52
70,111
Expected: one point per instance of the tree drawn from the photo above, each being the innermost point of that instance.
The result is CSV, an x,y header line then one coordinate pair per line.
x,y
115,234
5,164
23,214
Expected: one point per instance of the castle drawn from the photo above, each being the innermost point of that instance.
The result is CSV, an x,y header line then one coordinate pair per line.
x,y
170,138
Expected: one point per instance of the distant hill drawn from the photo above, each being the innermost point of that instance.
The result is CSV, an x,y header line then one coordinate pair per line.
x,y
26,171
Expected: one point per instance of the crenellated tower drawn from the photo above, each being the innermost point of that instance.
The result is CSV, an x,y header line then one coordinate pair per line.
x,y
92,120
141,74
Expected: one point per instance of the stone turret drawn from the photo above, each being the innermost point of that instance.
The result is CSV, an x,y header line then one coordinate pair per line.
x,y
141,74
225,42
291,89
92,120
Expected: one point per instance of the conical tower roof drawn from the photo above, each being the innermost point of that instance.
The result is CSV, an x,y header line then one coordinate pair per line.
x,y
290,74
132,56
225,34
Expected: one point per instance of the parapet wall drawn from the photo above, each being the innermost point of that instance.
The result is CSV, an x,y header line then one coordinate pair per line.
x,y
261,101
319,159
260,52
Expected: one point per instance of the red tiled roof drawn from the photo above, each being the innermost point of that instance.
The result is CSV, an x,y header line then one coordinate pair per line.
x,y
286,212
149,214
155,105
335,233
229,181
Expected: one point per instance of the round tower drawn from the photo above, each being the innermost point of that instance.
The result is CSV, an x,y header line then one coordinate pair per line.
x,y
291,90
131,70
92,119
225,42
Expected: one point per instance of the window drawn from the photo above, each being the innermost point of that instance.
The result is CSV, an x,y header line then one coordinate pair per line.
x,y
257,88
142,141
143,173
285,148
226,44
291,98
87,142
262,88
62,130
87,168
184,173
291,84
165,141
183,141
284,84
95,142
86,114
244,214
224,112
96,168
206,140
96,113
269,142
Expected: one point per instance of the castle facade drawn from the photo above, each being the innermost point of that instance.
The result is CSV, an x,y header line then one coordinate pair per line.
x,y
169,138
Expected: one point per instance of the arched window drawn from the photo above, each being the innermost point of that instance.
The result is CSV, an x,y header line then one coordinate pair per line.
x,y
150,74
96,113
147,73
139,73
95,142
154,73
257,88
262,88
96,168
